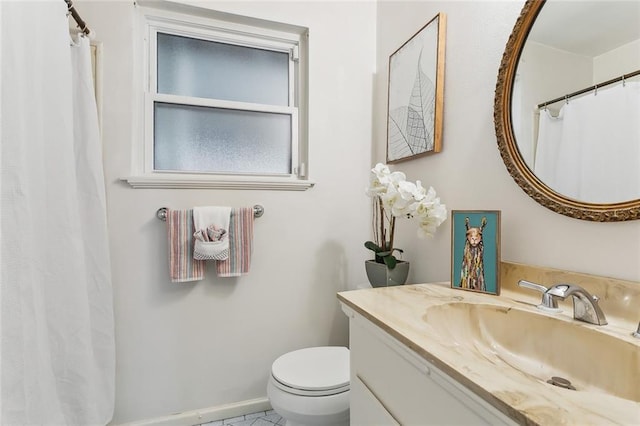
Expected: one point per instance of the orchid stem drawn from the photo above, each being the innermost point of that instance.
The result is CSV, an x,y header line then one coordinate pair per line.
x,y
392,228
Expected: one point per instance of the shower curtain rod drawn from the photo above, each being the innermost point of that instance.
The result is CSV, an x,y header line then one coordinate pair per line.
x,y
76,17
622,78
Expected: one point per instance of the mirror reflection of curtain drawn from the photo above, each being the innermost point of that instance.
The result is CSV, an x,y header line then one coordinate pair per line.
x,y
591,151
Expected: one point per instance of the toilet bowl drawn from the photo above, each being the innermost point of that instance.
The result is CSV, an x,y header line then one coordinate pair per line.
x,y
310,386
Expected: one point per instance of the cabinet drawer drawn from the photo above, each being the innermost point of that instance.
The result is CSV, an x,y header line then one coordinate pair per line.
x,y
366,410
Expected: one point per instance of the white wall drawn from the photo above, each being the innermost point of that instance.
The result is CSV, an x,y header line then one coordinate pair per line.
x,y
623,60
469,172
196,345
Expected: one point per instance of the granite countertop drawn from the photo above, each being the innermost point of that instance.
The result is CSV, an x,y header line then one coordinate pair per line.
x,y
403,312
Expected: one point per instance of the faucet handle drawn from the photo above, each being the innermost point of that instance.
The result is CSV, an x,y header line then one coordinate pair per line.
x,y
532,286
549,301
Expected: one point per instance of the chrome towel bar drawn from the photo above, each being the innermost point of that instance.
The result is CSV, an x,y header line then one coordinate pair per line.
x,y
161,213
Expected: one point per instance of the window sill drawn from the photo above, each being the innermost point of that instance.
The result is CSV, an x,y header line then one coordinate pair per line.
x,y
209,182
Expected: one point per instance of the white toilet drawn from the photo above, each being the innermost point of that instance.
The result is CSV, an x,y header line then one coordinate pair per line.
x,y
311,386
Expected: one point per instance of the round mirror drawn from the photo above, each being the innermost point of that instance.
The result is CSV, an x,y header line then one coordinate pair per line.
x,y
567,106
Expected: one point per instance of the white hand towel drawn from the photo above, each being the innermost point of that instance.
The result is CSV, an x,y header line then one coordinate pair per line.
x,y
211,217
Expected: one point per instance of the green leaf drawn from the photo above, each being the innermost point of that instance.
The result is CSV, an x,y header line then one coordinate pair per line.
x,y
373,246
390,261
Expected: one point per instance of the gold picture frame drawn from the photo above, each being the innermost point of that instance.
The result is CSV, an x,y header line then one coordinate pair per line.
x,y
416,94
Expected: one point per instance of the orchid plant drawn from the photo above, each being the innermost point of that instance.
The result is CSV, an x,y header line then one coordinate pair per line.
x,y
395,197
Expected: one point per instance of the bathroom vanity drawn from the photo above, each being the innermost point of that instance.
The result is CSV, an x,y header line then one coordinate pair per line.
x,y
429,354
392,385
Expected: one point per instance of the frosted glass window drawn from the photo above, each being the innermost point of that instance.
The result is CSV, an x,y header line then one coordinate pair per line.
x,y
207,69
224,96
204,139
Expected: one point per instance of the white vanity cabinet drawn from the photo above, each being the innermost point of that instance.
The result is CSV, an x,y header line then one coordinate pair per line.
x,y
392,385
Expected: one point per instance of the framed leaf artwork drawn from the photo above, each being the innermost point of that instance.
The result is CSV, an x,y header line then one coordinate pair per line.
x,y
416,92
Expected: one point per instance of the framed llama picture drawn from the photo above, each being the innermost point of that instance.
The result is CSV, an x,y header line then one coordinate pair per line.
x,y
416,91
475,250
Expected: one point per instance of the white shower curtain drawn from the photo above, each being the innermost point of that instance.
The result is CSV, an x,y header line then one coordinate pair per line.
x,y
57,333
591,151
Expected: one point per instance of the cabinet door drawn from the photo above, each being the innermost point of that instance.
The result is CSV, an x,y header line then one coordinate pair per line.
x,y
410,389
366,410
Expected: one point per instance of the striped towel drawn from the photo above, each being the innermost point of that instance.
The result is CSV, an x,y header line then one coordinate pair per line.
x,y
182,266
240,244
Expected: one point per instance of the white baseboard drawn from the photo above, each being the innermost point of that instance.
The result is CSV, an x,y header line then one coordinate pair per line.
x,y
210,414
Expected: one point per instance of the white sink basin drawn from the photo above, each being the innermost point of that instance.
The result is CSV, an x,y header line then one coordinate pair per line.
x,y
541,346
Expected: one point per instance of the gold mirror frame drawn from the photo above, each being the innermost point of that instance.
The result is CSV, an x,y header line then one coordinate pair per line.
x,y
524,177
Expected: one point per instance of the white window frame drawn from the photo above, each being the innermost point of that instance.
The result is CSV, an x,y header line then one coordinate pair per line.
x,y
210,25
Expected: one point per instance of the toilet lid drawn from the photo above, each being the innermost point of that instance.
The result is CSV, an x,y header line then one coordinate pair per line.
x,y
313,369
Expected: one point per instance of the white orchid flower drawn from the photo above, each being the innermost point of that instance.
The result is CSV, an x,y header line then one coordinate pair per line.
x,y
381,170
389,197
405,203
429,224
382,173
375,188
379,179
420,192
403,208
382,178
431,214
432,209
400,198
406,190
438,213
423,207
395,178
430,195
426,228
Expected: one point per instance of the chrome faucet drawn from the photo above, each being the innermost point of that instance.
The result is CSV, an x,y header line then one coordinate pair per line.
x,y
585,306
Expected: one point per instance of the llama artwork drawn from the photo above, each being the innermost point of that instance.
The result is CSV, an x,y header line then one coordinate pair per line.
x,y
472,271
475,250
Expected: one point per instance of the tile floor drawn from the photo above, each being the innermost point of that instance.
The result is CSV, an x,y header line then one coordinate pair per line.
x,y
262,418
